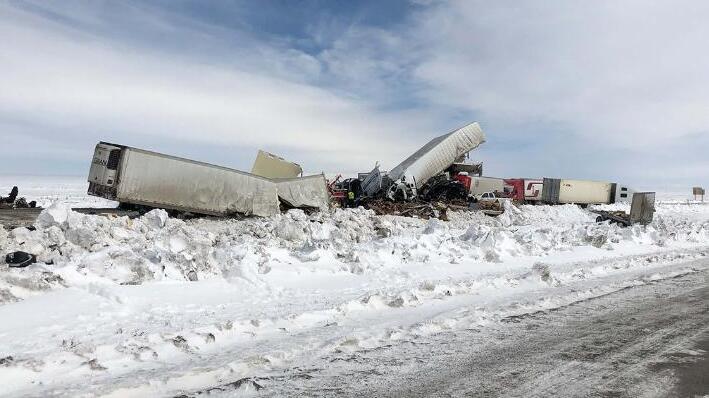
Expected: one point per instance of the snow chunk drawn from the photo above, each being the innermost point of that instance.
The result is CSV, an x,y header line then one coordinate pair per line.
x,y
155,219
56,214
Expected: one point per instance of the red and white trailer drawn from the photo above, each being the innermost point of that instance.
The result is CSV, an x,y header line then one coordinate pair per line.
x,y
533,188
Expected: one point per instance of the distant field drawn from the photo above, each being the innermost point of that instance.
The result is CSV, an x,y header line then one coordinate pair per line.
x,y
48,189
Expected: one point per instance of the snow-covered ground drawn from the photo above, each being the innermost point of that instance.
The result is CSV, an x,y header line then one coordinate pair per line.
x,y
46,190
161,307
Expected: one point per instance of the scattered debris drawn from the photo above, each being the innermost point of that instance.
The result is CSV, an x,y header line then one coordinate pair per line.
x,y
424,185
417,209
181,343
192,276
7,361
22,203
94,365
10,199
13,202
642,211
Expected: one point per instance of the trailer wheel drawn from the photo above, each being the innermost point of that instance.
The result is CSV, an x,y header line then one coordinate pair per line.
x,y
599,219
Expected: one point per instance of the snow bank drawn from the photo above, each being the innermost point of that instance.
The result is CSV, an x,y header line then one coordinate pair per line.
x,y
78,249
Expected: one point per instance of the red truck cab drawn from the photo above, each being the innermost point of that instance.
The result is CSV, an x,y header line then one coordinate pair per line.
x,y
514,188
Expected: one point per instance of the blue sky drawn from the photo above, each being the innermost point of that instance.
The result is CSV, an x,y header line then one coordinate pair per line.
x,y
604,90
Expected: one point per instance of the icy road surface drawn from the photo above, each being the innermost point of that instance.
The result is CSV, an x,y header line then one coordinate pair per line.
x,y
646,340
344,303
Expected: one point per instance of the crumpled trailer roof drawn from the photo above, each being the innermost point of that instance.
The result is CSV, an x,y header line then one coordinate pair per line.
x,y
438,154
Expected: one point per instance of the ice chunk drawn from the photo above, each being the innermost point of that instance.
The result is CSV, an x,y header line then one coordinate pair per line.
x,y
20,235
56,214
155,218
82,236
54,235
177,244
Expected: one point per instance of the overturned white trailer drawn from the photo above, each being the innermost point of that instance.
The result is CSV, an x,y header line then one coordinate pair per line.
x,y
436,156
145,178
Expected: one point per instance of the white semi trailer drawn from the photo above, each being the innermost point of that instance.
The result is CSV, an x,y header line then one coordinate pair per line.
x,y
144,178
583,192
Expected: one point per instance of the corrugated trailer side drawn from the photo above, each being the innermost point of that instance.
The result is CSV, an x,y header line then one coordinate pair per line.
x,y
585,192
153,179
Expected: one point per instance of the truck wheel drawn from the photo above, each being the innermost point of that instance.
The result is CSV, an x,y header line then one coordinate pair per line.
x,y
599,219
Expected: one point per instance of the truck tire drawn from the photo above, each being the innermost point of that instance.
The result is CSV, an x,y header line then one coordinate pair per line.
x,y
20,259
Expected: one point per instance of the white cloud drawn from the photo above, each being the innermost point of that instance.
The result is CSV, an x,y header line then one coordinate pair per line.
x,y
67,79
628,73
601,89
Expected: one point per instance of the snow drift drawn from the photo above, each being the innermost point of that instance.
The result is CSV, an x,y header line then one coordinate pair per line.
x,y
76,249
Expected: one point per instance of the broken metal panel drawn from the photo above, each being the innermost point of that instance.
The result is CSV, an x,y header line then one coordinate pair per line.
x,y
271,166
642,209
438,154
309,191
373,182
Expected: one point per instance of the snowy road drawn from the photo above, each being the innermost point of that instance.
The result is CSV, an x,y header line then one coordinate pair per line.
x,y
644,340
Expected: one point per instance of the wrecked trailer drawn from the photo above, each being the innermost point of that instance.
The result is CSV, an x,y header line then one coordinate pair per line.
x,y
136,178
294,191
434,158
304,192
642,211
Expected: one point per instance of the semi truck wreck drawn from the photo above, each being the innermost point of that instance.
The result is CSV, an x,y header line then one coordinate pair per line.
x,y
436,177
434,158
430,172
140,178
